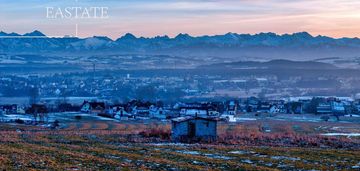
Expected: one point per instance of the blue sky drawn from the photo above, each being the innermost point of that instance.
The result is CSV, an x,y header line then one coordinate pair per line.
x,y
337,18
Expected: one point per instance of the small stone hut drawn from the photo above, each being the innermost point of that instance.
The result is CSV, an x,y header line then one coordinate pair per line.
x,y
194,128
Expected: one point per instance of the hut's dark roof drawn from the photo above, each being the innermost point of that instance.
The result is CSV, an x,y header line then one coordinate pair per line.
x,y
186,118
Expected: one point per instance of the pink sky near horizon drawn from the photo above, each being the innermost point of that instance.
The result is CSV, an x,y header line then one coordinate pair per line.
x,y
149,18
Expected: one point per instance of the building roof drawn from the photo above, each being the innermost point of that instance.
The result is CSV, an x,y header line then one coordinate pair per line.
x,y
97,105
186,118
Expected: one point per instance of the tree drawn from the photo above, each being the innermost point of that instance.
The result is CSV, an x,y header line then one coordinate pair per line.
x,y
33,95
63,95
38,111
311,108
295,107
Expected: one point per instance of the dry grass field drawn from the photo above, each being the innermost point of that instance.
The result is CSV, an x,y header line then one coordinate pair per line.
x,y
106,145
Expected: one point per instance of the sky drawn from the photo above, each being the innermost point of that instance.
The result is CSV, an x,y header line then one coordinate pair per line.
x,y
149,18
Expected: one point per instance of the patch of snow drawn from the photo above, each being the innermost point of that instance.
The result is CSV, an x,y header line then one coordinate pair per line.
x,y
189,152
282,166
170,144
285,158
196,162
231,118
245,119
261,155
214,156
268,164
239,152
355,167
14,117
247,161
343,134
354,116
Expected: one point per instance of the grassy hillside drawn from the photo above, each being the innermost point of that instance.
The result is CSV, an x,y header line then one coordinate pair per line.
x,y
120,146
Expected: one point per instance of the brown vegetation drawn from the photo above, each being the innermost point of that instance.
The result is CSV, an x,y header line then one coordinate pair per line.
x,y
146,146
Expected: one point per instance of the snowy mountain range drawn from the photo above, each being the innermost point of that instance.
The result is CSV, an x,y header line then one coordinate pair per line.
x,y
265,45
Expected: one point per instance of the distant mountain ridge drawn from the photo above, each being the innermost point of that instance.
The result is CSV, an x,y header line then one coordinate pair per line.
x,y
269,45
272,64
35,33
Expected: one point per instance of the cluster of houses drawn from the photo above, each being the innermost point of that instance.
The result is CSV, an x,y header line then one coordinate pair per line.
x,y
136,108
127,110
193,121
12,109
